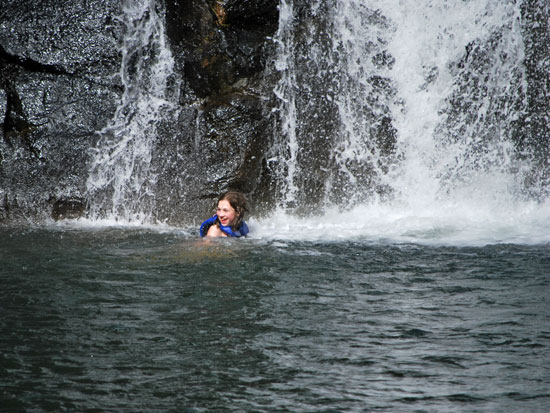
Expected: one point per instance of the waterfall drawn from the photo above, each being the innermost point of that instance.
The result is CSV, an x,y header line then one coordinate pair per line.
x,y
121,182
382,100
400,118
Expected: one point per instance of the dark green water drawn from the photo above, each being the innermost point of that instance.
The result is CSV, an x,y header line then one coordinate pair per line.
x,y
121,320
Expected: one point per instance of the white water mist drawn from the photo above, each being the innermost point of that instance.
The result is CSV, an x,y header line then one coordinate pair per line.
x,y
122,180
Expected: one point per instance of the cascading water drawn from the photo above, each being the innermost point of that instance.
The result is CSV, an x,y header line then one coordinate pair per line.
x,y
458,70
402,116
121,183
334,103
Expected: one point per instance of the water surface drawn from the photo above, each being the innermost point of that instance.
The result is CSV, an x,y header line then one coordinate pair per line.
x,y
121,319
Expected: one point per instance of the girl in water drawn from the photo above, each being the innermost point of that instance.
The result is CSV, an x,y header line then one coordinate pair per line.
x,y
229,218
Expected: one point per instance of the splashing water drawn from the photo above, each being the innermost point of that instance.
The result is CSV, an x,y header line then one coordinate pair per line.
x,y
454,127
399,118
122,180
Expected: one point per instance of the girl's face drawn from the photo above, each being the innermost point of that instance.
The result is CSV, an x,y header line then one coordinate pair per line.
x,y
226,214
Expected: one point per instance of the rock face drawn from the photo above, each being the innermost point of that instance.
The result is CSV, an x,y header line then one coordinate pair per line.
x,y
221,48
61,88
56,90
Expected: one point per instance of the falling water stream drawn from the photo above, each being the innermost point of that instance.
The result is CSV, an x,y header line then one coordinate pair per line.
x,y
121,183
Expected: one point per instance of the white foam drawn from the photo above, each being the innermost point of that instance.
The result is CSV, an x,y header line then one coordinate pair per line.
x,y
113,223
443,223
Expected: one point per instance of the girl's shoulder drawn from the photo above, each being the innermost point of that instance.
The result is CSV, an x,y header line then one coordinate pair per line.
x,y
215,231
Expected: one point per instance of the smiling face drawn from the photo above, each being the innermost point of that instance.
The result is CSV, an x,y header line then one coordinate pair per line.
x,y
226,213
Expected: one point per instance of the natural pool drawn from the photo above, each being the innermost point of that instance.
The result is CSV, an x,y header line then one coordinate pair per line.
x,y
141,319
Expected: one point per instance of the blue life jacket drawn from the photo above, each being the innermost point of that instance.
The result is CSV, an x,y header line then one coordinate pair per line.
x,y
241,232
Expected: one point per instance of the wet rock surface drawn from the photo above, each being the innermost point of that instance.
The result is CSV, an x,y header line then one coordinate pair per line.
x,y
59,86
56,90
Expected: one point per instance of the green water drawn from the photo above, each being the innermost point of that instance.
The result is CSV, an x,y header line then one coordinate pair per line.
x,y
126,320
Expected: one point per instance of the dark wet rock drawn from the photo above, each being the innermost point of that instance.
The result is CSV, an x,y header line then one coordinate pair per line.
x,y
57,61
229,144
219,43
221,49
68,208
59,87
224,151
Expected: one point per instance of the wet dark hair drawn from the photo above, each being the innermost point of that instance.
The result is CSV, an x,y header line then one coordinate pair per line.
x,y
238,203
